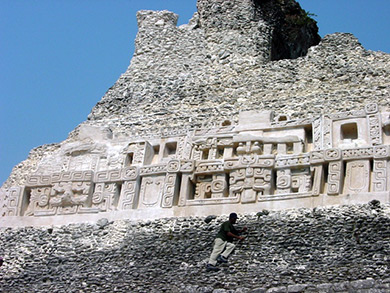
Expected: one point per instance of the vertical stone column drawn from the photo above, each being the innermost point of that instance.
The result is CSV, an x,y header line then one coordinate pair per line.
x,y
170,187
335,171
335,177
10,201
380,175
185,189
130,189
318,179
129,195
283,181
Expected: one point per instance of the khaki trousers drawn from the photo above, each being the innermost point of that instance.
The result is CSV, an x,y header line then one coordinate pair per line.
x,y
219,246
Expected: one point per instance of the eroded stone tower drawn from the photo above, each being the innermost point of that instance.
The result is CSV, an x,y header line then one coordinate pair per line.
x,y
243,108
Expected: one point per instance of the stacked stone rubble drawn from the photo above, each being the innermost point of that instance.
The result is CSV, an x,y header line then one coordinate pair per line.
x,y
339,249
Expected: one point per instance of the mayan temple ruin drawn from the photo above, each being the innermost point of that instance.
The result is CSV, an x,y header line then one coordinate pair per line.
x,y
244,109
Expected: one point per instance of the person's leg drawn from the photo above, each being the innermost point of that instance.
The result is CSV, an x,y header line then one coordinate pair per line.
x,y
228,250
219,245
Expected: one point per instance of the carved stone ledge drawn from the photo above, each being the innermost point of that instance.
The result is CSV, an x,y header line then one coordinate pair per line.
x,y
153,170
212,201
382,151
317,157
358,153
371,108
332,155
263,198
209,167
292,161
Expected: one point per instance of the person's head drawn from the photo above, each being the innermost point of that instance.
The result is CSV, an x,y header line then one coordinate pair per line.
x,y
233,218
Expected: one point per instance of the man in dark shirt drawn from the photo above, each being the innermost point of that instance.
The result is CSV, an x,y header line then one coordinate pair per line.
x,y
223,245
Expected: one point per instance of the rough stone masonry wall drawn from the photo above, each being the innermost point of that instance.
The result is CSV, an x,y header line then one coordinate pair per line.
x,y
338,249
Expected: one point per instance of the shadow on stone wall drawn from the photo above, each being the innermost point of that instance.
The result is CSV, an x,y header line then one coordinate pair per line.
x,y
308,250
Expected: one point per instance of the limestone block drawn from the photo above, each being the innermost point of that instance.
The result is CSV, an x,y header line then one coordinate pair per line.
x,y
151,191
335,177
357,176
380,181
129,195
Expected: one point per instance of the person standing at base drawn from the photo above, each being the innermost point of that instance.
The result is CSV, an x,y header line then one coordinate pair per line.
x,y
223,245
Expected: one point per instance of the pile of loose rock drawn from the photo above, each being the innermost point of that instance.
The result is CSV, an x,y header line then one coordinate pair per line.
x,y
307,250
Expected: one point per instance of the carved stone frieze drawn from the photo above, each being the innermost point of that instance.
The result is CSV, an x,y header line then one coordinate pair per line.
x,y
283,181
130,173
73,176
151,191
345,115
173,166
382,151
38,180
187,166
317,157
105,196
10,201
332,155
380,175
358,153
318,179
357,176
153,169
292,161
317,133
375,129
371,109
108,176
170,190
128,196
212,167
39,200
335,177
209,167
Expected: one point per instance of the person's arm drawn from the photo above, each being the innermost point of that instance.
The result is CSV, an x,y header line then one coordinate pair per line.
x,y
230,234
242,230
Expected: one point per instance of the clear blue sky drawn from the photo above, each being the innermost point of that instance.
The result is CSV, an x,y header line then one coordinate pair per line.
x,y
58,58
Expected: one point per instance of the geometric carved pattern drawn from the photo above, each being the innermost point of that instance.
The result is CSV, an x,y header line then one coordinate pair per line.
x,y
335,176
169,190
332,155
105,196
128,195
380,176
327,133
375,129
9,201
371,108
280,160
283,181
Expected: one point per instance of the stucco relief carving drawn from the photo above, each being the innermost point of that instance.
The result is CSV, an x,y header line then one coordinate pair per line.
x,y
128,196
211,167
151,191
283,181
335,177
105,196
357,177
9,201
380,176
375,129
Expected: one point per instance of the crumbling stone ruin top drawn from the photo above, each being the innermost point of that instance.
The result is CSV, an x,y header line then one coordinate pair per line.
x,y
243,105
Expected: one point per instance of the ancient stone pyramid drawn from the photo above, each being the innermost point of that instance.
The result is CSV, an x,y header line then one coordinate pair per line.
x,y
238,108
